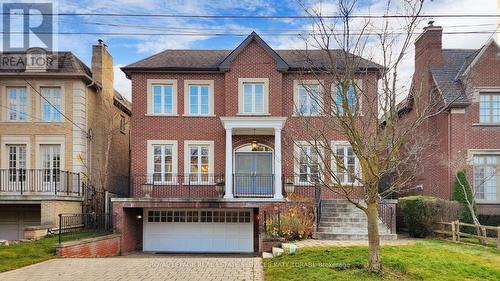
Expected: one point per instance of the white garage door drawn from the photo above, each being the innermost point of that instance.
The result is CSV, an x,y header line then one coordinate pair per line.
x,y
205,231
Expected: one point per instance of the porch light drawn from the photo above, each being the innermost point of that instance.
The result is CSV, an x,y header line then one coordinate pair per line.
x,y
254,145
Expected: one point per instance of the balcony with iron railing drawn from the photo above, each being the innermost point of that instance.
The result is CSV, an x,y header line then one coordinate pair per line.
x,y
38,183
212,186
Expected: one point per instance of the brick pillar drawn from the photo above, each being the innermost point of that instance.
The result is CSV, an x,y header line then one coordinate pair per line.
x,y
128,221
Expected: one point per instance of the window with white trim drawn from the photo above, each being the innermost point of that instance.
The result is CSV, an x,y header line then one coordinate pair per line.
x,y
308,99
163,163
199,99
163,98
253,97
199,163
51,162
346,164
486,174
308,164
17,100
350,95
489,107
51,104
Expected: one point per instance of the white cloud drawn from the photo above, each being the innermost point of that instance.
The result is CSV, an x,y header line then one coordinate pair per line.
x,y
121,83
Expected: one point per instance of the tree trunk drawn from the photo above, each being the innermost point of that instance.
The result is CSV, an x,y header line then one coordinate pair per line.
x,y
374,262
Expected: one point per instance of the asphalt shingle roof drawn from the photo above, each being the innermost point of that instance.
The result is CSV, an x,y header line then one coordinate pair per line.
x,y
210,59
67,63
447,78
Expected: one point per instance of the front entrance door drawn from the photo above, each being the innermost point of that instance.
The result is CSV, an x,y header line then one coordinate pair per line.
x,y
253,175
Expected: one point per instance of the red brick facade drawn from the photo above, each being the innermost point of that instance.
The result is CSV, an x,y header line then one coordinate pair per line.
x,y
105,246
254,61
456,132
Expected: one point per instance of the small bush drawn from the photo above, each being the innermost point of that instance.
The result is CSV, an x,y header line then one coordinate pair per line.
x,y
460,196
421,212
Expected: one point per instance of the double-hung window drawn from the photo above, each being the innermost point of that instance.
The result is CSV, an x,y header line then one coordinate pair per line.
x,y
489,108
51,104
309,168
199,163
163,163
199,99
486,173
347,95
163,98
17,99
308,99
345,163
253,97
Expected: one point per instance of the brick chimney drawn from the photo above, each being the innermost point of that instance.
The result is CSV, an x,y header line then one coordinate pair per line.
x,y
102,67
428,48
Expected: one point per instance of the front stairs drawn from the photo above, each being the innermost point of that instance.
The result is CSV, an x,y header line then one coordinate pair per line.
x,y
341,220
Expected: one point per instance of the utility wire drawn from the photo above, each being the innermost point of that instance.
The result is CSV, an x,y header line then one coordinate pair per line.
x,y
60,112
266,17
242,34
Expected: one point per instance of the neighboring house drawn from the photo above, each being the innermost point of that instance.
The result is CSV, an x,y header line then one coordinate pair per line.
x,y
201,117
467,134
52,136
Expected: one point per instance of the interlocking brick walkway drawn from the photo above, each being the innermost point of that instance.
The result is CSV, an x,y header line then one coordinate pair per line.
x,y
339,243
142,267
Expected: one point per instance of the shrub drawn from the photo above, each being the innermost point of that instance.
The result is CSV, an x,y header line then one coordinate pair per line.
x,y
460,196
421,212
295,222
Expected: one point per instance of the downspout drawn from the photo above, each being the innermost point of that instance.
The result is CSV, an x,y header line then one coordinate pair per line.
x,y
450,185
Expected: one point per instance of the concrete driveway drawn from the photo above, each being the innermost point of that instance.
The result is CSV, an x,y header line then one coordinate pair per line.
x,y
142,267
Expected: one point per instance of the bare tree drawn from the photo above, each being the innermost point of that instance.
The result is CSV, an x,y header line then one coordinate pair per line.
x,y
107,125
342,103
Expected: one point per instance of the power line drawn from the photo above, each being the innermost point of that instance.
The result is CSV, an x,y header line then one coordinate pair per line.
x,y
267,16
60,112
242,34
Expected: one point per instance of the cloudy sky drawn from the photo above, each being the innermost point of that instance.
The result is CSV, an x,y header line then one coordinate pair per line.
x,y
130,48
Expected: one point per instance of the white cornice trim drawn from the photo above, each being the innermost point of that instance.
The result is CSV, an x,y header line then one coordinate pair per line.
x,y
253,122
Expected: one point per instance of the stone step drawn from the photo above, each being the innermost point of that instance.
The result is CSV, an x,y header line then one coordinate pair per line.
x,y
350,236
342,219
346,215
351,224
349,229
341,210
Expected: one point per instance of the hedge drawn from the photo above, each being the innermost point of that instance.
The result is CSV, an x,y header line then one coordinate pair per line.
x,y
421,212
459,195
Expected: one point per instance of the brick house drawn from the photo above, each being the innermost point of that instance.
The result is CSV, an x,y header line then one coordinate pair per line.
x,y
467,134
203,117
52,136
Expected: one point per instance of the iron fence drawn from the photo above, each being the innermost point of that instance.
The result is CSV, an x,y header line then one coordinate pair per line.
x,y
387,214
253,185
39,181
76,226
178,186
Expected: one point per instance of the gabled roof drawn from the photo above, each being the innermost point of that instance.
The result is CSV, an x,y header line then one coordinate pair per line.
x,y
226,63
220,60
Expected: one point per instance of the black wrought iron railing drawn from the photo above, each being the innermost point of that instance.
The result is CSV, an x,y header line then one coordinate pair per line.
x,y
39,181
387,214
76,226
170,185
253,185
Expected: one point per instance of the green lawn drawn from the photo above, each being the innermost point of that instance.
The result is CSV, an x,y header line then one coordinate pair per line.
x,y
425,260
22,254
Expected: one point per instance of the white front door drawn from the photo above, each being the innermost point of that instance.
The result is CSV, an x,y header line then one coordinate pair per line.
x,y
195,230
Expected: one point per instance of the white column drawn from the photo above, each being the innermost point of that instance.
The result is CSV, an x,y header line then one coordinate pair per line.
x,y
229,163
277,164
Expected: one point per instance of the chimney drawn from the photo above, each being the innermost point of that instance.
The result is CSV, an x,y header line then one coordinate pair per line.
x,y
428,48
102,67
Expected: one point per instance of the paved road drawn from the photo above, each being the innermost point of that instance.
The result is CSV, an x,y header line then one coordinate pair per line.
x,y
142,267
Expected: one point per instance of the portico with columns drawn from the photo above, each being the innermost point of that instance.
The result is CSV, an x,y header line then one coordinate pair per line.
x,y
253,169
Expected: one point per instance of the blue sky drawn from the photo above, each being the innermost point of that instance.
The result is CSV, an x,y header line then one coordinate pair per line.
x,y
128,49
